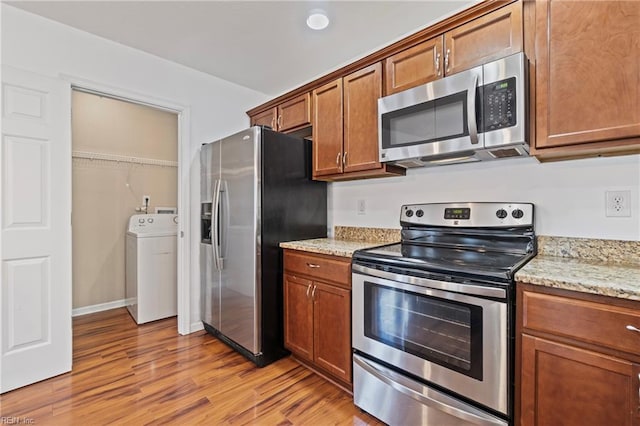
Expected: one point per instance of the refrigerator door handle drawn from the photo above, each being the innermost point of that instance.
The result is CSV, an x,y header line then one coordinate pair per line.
x,y
224,220
215,228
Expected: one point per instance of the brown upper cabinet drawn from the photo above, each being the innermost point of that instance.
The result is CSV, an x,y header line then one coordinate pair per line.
x,y
489,37
345,127
291,115
417,65
587,72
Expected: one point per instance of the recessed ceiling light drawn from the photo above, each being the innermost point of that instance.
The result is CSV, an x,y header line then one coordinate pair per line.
x,y
317,20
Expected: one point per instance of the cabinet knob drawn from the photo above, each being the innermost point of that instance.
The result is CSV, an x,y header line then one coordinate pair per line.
x,y
308,288
338,160
344,158
279,121
632,328
313,265
436,60
313,293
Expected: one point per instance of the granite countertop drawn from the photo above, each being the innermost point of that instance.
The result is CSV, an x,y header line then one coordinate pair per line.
x,y
330,246
346,240
603,267
583,275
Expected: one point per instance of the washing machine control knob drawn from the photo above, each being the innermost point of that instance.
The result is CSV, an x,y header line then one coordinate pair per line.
x,y
150,220
140,220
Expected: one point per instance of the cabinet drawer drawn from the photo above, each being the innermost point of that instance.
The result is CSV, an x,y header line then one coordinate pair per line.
x,y
595,323
318,266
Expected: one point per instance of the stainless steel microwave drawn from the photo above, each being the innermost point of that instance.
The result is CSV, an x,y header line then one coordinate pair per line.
x,y
474,115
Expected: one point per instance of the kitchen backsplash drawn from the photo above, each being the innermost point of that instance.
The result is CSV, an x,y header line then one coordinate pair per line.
x,y
354,233
586,248
618,251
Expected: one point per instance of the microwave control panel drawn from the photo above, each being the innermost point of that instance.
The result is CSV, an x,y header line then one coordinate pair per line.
x,y
499,104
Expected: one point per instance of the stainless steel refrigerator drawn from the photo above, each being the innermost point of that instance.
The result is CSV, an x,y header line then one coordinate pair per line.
x,y
256,191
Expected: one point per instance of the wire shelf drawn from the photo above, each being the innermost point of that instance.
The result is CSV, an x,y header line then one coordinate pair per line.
x,y
122,159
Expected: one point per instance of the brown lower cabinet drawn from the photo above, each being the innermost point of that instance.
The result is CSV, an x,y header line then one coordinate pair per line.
x,y
317,313
579,364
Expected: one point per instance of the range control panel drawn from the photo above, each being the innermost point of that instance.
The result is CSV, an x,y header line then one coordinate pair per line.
x,y
482,214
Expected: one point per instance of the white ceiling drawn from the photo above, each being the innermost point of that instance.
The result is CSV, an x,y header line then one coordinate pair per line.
x,y
262,45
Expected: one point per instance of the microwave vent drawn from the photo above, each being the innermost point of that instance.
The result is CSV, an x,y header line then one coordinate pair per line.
x,y
505,153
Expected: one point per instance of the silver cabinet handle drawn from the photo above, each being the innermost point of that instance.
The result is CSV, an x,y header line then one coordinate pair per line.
x,y
279,121
313,293
632,328
313,265
446,61
338,160
344,158
308,288
436,59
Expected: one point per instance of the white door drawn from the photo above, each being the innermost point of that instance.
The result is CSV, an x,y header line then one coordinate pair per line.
x,y
35,167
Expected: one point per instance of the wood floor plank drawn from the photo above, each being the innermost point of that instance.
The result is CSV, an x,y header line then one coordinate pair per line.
x,y
149,374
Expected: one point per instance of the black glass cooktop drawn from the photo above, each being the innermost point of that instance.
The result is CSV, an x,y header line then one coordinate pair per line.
x,y
475,262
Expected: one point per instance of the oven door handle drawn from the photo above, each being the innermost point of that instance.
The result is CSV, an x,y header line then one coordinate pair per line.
x,y
396,383
468,289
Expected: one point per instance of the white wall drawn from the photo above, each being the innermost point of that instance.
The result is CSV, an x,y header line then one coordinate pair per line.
x,y
569,196
216,106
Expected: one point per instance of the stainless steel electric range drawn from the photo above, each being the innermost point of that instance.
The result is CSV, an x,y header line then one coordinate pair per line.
x,y
433,316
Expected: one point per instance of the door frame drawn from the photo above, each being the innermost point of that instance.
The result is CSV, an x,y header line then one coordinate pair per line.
x,y
184,171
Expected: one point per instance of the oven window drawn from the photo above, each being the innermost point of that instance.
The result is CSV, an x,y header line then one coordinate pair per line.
x,y
442,331
433,121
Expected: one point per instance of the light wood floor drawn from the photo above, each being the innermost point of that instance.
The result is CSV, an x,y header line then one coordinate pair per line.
x,y
135,375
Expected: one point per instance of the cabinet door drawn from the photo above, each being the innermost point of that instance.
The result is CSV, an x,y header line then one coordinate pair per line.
x,y
587,71
485,39
332,330
298,316
266,118
564,385
295,113
415,66
362,90
327,129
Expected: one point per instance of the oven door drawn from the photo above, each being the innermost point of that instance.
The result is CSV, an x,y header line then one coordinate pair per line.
x,y
456,341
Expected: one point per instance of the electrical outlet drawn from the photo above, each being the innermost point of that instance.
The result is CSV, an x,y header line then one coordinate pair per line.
x,y
362,207
618,203
146,199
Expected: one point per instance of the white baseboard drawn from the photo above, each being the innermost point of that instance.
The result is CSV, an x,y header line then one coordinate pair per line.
x,y
99,307
196,326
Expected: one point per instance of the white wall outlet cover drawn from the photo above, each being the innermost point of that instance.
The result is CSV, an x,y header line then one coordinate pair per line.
x,y
362,207
618,203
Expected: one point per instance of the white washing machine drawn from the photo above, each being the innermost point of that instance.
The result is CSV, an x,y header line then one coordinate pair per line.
x,y
151,277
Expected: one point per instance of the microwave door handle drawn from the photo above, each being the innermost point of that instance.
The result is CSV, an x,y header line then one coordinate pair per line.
x,y
471,111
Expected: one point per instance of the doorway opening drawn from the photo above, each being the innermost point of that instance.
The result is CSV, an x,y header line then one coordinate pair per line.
x,y
125,162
